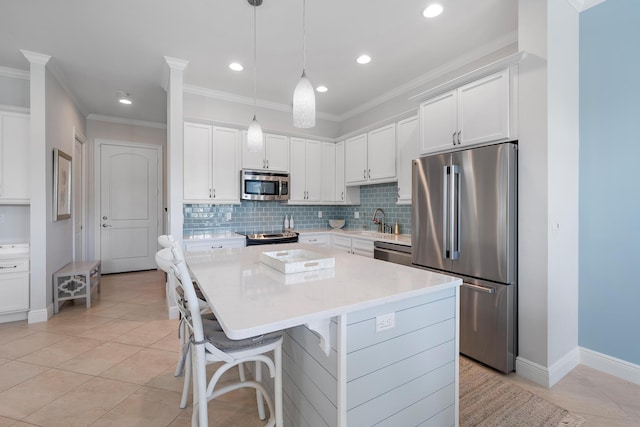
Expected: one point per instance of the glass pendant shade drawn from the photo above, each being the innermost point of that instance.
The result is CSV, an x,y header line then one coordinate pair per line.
x,y
254,136
304,104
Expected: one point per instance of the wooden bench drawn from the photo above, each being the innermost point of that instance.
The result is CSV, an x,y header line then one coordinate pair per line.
x,y
75,280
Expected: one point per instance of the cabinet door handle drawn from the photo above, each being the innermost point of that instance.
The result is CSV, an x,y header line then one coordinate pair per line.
x,y
459,133
313,240
105,225
214,193
453,138
369,175
267,163
210,194
342,195
216,247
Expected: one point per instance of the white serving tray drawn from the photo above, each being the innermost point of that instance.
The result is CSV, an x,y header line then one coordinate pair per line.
x,y
296,261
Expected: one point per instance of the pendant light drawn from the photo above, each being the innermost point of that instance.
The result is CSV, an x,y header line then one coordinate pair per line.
x,y
254,133
304,98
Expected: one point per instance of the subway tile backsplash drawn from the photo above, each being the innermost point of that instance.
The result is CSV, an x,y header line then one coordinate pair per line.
x,y
255,216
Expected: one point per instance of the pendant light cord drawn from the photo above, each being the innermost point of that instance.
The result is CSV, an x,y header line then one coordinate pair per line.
x,y
304,34
255,66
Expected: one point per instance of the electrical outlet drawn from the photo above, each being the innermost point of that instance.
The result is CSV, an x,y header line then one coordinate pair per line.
x,y
319,214
228,216
385,321
356,215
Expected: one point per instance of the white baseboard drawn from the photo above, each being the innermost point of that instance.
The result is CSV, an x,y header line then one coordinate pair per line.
x,y
544,376
42,315
13,317
611,365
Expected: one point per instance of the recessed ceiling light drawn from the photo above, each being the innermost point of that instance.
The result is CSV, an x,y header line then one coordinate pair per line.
x,y
363,59
432,10
322,89
124,98
235,66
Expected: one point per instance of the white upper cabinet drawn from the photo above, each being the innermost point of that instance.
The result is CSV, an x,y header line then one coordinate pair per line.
x,y
371,157
475,113
329,173
274,156
306,171
407,150
344,195
14,158
211,164
356,160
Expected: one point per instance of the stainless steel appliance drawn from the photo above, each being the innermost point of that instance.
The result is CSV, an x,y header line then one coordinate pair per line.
x,y
261,185
465,224
272,238
392,252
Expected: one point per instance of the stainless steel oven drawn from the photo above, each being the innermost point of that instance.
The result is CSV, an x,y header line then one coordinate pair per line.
x,y
261,185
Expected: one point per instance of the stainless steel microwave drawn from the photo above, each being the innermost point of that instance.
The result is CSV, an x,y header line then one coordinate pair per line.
x,y
262,185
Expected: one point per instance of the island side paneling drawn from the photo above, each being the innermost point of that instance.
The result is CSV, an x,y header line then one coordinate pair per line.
x,y
401,376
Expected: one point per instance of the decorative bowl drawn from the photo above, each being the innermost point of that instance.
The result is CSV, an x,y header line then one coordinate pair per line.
x,y
336,223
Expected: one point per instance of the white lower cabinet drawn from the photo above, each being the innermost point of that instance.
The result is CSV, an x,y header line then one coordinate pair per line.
x,y
318,239
206,244
14,286
353,245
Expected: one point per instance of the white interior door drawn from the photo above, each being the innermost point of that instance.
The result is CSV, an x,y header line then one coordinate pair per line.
x,y
78,201
130,206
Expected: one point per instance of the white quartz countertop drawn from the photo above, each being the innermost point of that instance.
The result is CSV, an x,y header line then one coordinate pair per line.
x,y
250,298
401,239
213,236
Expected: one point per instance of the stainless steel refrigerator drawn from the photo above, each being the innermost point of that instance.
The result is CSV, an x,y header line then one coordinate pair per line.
x,y
464,218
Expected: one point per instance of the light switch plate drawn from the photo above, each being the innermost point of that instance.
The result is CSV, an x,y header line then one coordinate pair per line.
x,y
319,214
385,321
356,215
228,216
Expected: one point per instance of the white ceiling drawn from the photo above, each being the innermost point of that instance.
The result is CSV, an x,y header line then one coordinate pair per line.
x,y
101,47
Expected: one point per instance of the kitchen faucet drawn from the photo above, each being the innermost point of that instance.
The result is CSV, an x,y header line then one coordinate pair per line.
x,y
373,218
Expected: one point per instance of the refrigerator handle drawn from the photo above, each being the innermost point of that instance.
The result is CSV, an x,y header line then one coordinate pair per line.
x,y
455,211
446,212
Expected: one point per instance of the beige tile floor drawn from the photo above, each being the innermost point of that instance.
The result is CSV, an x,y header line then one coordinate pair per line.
x,y
113,364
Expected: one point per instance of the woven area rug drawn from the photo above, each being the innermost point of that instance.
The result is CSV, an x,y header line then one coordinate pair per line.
x,y
486,399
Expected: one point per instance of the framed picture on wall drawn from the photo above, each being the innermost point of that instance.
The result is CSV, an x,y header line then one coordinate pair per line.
x,y
61,185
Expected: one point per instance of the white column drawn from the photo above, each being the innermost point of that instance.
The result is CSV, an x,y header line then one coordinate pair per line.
x,y
175,133
548,188
39,216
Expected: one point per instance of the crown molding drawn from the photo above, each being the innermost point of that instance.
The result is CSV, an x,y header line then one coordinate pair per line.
x,y
582,5
14,73
36,58
239,99
123,121
433,74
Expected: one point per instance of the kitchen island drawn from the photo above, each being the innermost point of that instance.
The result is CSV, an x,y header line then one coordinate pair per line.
x,y
367,342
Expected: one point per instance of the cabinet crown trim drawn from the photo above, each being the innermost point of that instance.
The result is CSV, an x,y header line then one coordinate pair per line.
x,y
488,69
